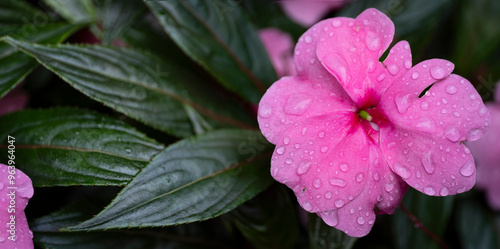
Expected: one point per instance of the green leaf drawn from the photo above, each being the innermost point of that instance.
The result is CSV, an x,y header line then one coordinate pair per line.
x,y
322,236
218,36
14,66
46,234
137,84
195,179
67,146
117,16
420,205
269,220
476,226
19,12
81,11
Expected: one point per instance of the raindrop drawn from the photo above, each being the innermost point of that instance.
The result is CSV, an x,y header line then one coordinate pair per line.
x,y
376,176
317,183
372,41
474,134
337,182
401,170
444,191
307,206
1,185
429,190
407,63
265,111
427,163
437,72
452,134
468,168
415,75
336,23
402,103
303,167
331,218
360,177
297,104
328,195
381,77
389,187
286,140
456,114
344,167
361,220
308,39
482,111
323,149
304,130
339,203
280,150
321,134
451,89
289,161
393,69
128,150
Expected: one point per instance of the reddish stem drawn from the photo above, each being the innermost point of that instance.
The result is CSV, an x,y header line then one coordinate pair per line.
x,y
421,226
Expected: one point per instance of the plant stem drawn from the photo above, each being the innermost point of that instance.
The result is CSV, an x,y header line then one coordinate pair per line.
x,y
421,226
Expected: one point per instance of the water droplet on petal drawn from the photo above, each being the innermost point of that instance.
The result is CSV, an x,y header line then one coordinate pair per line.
x,y
453,134
337,182
468,168
482,111
403,171
415,75
280,150
444,191
286,140
317,183
307,206
451,89
389,187
429,190
297,104
336,23
372,41
265,111
376,176
324,149
474,134
427,125
403,102
393,69
321,134
360,177
303,167
361,220
339,203
344,167
328,195
408,63
437,72
308,39
424,105
381,77
427,163
331,218
289,161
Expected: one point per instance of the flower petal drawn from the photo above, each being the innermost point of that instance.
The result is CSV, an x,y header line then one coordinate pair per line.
x,y
23,236
323,160
306,13
422,142
383,189
279,47
350,50
291,99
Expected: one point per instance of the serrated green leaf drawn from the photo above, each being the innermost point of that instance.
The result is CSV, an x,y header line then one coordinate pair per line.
x,y
476,226
81,11
269,220
323,236
46,234
192,180
19,12
137,84
218,36
433,212
15,66
67,146
117,16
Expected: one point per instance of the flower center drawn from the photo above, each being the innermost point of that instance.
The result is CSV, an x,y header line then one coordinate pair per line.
x,y
365,115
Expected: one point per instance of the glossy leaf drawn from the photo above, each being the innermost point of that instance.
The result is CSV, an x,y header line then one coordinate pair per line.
x,y
47,235
476,226
137,84
433,212
19,12
322,236
68,146
117,16
15,66
268,220
193,180
82,11
218,36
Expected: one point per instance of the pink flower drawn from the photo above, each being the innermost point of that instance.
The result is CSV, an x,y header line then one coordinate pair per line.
x,y
13,101
308,12
12,203
279,47
486,151
351,132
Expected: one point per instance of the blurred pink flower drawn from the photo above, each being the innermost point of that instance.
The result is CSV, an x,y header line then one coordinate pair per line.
x,y
13,101
308,12
486,152
279,47
352,133
16,233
